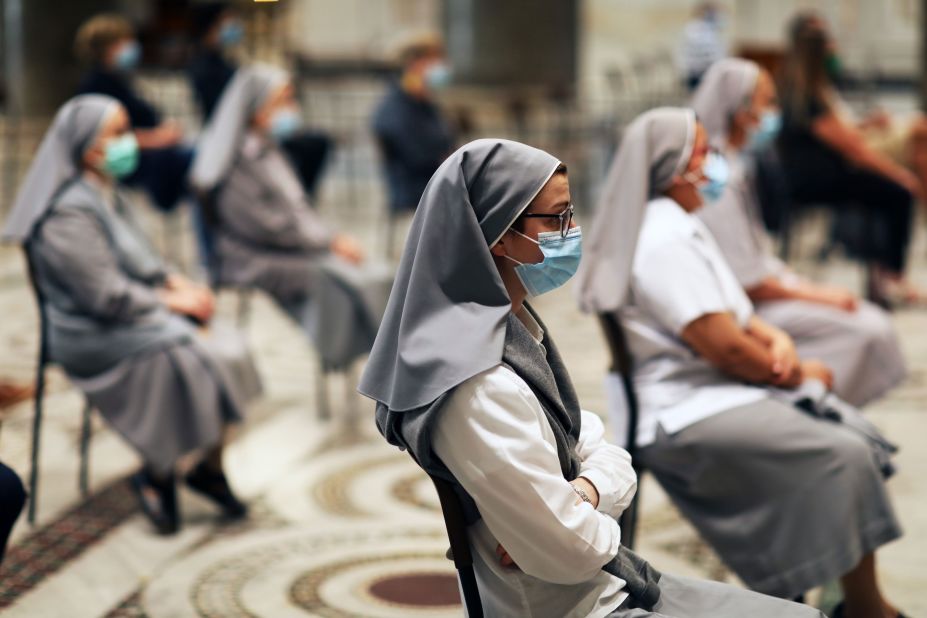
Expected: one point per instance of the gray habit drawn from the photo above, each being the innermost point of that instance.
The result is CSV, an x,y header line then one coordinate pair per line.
x,y
164,388
859,346
270,237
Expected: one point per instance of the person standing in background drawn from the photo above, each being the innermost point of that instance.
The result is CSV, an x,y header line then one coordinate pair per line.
x,y
702,43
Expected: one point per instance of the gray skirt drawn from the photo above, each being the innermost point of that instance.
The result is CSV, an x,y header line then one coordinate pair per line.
x,y
860,347
343,312
681,597
789,501
176,399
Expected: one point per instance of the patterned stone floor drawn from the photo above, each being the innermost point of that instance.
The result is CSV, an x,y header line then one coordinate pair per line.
x,y
341,525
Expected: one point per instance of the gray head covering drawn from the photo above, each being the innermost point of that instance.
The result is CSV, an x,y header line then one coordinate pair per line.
x,y
726,87
58,160
222,138
446,317
655,148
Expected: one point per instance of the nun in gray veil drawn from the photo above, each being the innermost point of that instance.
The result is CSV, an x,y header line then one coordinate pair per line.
x,y
119,322
467,379
735,102
268,235
784,480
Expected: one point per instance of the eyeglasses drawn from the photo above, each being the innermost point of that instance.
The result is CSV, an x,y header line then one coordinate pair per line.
x,y
566,219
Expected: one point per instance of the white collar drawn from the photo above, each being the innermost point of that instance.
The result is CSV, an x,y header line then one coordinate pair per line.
x,y
534,329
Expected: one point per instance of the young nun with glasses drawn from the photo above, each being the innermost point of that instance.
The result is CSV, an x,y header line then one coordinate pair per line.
x,y
784,480
736,102
468,379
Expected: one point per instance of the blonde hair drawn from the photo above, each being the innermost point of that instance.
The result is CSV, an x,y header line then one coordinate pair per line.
x,y
97,34
418,46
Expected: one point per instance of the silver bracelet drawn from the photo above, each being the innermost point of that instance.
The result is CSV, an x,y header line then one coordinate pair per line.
x,y
582,494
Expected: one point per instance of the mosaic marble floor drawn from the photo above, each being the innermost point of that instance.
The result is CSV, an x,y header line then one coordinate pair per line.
x,y
341,524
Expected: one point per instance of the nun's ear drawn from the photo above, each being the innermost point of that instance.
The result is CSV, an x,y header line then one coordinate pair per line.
x,y
499,249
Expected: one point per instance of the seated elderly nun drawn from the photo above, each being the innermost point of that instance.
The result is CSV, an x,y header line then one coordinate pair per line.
x,y
269,236
855,338
467,378
120,323
781,478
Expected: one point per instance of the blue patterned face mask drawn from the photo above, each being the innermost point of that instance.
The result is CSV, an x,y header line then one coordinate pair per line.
x,y
128,56
561,260
715,172
766,132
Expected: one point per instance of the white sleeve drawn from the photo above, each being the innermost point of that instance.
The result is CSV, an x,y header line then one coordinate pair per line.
x,y
496,441
606,466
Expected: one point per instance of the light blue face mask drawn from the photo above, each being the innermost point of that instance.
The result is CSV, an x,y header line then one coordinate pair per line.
x,y
128,56
766,131
231,33
438,76
561,260
120,156
716,174
284,123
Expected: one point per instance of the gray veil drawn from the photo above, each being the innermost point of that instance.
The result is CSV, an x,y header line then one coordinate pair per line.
x,y
57,161
726,87
446,317
221,140
655,147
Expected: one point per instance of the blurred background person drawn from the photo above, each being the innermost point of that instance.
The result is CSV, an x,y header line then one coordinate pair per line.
x,y
736,102
702,43
12,492
268,235
413,135
120,324
108,45
826,159
218,30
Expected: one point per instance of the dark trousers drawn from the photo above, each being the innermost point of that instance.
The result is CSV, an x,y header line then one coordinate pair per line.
x,y
880,230
12,500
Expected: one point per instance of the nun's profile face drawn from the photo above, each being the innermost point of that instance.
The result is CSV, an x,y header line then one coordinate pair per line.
x,y
684,187
115,125
553,199
282,98
763,99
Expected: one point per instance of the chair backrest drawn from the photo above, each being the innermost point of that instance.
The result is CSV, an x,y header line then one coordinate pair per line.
x,y
456,525
622,364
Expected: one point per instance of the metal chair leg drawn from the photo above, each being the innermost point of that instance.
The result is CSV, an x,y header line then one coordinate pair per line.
x,y
83,482
321,386
244,308
36,435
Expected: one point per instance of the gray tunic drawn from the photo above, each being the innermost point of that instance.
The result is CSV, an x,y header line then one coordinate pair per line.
x,y
269,237
860,346
164,388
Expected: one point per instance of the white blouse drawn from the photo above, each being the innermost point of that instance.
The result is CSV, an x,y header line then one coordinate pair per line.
x,y
678,276
495,438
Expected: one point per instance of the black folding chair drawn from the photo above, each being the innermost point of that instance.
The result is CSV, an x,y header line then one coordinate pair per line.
x,y
622,364
456,526
43,362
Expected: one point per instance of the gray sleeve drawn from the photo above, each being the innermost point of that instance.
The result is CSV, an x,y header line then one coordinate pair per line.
x,y
73,247
267,219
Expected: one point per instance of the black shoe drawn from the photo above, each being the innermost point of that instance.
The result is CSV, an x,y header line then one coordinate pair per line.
x,y
158,500
212,483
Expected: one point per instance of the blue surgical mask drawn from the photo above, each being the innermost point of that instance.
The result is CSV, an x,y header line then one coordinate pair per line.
x,y
120,156
716,173
766,132
561,260
284,123
437,76
231,33
128,56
